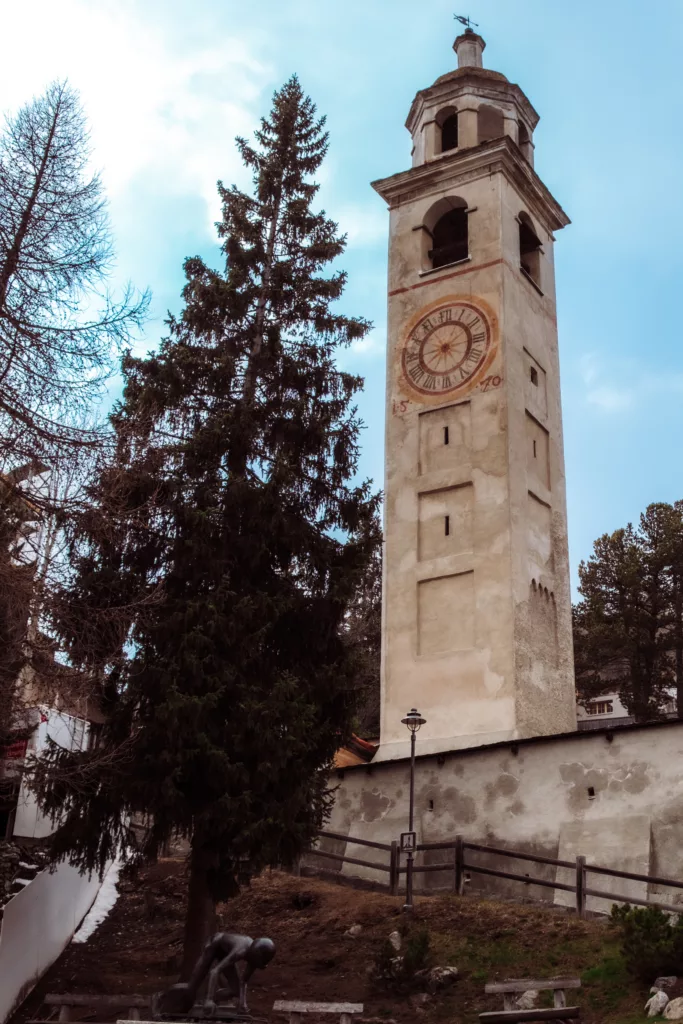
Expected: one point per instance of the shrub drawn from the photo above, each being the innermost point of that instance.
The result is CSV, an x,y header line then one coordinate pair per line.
x,y
403,971
416,955
650,943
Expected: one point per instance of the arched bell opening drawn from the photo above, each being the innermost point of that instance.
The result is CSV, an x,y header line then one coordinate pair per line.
x,y
445,233
524,141
447,125
530,249
490,123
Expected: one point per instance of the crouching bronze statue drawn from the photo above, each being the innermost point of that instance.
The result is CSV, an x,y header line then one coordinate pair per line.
x,y
219,960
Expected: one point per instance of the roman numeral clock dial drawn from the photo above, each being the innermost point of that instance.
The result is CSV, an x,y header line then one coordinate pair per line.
x,y
448,347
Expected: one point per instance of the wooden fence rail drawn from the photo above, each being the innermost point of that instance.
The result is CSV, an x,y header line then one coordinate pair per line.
x,y
460,868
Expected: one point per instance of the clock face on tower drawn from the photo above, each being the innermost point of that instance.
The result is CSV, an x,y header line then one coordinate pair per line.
x,y
447,347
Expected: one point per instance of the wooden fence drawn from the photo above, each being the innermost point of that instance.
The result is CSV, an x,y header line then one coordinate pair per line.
x,y
460,866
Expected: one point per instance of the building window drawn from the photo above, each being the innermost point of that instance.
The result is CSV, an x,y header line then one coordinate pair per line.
x,y
447,123
529,249
490,123
600,707
534,376
524,140
445,233
449,133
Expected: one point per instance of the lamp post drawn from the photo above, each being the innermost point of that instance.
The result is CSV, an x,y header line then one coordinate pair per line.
x,y
413,721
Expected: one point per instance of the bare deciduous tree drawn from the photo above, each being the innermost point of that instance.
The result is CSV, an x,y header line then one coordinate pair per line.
x,y
60,330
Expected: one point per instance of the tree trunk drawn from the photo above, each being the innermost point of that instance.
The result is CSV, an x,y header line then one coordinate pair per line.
x,y
200,918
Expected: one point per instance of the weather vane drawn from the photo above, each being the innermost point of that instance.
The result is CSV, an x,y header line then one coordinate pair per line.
x,y
467,22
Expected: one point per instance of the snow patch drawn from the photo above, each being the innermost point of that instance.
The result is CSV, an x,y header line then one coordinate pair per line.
x,y
104,901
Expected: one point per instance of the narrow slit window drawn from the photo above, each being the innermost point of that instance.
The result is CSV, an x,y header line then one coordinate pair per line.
x,y
534,376
445,436
447,525
534,449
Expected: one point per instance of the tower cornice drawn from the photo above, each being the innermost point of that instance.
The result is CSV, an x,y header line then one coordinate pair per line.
x,y
457,167
489,85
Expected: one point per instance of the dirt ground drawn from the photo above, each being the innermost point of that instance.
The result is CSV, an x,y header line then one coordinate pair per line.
x,y
137,949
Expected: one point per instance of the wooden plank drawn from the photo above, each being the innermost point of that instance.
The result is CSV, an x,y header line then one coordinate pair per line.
x,y
475,869
526,984
296,1006
654,879
580,889
620,898
352,839
348,860
422,868
535,858
80,999
520,1016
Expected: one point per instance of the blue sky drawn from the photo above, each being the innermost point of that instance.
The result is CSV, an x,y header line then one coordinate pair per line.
x,y
167,84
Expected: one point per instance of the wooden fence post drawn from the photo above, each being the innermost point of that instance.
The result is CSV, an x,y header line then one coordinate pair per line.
x,y
459,865
581,886
393,867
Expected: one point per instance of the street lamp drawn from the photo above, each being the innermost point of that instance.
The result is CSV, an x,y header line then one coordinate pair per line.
x,y
413,721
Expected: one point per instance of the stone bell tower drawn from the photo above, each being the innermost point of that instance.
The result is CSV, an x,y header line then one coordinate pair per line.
x,y
477,613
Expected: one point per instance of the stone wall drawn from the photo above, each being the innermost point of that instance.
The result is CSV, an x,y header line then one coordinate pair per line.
x,y
616,794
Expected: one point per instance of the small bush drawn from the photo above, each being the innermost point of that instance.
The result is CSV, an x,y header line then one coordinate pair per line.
x,y
416,956
650,944
402,971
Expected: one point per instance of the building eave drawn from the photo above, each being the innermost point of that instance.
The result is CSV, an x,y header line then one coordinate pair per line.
x,y
487,85
609,732
497,156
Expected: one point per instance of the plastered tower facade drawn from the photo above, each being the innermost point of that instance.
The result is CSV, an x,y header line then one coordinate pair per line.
x,y
477,612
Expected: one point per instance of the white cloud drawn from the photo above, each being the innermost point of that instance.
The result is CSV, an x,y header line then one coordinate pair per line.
x,y
373,344
364,224
622,385
609,399
154,108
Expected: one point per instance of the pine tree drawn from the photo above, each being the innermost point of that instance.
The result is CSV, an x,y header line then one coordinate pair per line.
x,y
223,549
622,626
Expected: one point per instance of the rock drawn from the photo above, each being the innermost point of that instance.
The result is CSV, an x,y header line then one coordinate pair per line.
x,y
674,1009
665,984
354,931
527,1000
418,999
656,1004
441,977
395,940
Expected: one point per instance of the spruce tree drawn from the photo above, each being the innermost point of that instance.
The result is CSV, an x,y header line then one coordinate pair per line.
x,y
224,546
623,634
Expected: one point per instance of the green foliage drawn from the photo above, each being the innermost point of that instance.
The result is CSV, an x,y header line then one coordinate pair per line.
x,y
226,543
416,957
402,971
651,944
628,626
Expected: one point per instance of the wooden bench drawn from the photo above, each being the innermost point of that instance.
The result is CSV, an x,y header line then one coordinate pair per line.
x,y
296,1009
510,1014
133,1004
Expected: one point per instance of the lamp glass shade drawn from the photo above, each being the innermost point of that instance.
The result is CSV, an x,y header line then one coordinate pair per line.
x,y
413,720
